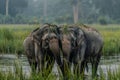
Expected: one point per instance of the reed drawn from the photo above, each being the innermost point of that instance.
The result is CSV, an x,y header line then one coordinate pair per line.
x,y
19,75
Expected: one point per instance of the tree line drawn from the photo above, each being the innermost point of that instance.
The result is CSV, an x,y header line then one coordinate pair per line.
x,y
60,11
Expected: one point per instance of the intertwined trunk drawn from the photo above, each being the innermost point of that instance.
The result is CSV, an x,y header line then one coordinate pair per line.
x,y
7,7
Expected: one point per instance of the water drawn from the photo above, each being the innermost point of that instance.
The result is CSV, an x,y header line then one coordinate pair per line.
x,y
7,64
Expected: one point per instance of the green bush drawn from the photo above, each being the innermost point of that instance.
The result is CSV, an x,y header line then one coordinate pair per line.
x,y
102,20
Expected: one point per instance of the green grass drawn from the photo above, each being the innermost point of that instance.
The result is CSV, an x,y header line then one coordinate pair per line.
x,y
12,36
111,36
19,75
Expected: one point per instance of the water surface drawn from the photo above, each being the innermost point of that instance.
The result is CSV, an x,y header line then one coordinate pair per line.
x,y
7,63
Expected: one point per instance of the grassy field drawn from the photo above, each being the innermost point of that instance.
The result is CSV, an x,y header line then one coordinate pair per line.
x,y
12,36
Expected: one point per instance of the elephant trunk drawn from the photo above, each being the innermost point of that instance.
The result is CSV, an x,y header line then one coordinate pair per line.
x,y
54,46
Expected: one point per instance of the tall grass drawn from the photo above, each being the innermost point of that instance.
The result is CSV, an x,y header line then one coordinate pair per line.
x,y
19,75
12,36
111,36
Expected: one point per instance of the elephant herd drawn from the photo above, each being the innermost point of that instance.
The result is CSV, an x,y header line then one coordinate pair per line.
x,y
65,44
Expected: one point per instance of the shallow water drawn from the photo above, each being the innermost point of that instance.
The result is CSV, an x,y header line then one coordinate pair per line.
x,y
7,64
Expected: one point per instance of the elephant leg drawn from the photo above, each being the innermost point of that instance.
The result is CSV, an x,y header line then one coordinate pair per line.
x,y
33,65
82,68
95,65
76,67
31,60
60,64
39,57
42,67
50,64
79,68
66,66
82,57
40,63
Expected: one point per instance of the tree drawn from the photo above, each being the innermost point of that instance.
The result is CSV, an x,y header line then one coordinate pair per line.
x,y
111,9
45,9
7,7
12,7
75,10
2,6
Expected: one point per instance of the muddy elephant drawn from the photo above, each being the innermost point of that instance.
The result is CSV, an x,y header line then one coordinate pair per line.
x,y
94,45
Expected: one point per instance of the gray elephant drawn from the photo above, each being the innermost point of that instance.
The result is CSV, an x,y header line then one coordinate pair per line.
x,y
72,39
48,38
42,47
78,52
30,50
94,45
86,46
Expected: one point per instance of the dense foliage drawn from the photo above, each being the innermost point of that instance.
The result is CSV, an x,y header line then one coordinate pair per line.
x,y
60,11
15,6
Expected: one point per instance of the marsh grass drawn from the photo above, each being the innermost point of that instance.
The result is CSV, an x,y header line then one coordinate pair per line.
x,y
12,37
19,75
111,37
114,75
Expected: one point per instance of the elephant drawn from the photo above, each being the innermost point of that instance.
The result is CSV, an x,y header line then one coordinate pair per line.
x,y
30,50
80,46
94,45
66,49
42,47
72,40
48,39
79,49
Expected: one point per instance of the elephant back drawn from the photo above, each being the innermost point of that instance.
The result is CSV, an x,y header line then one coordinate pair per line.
x,y
93,38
